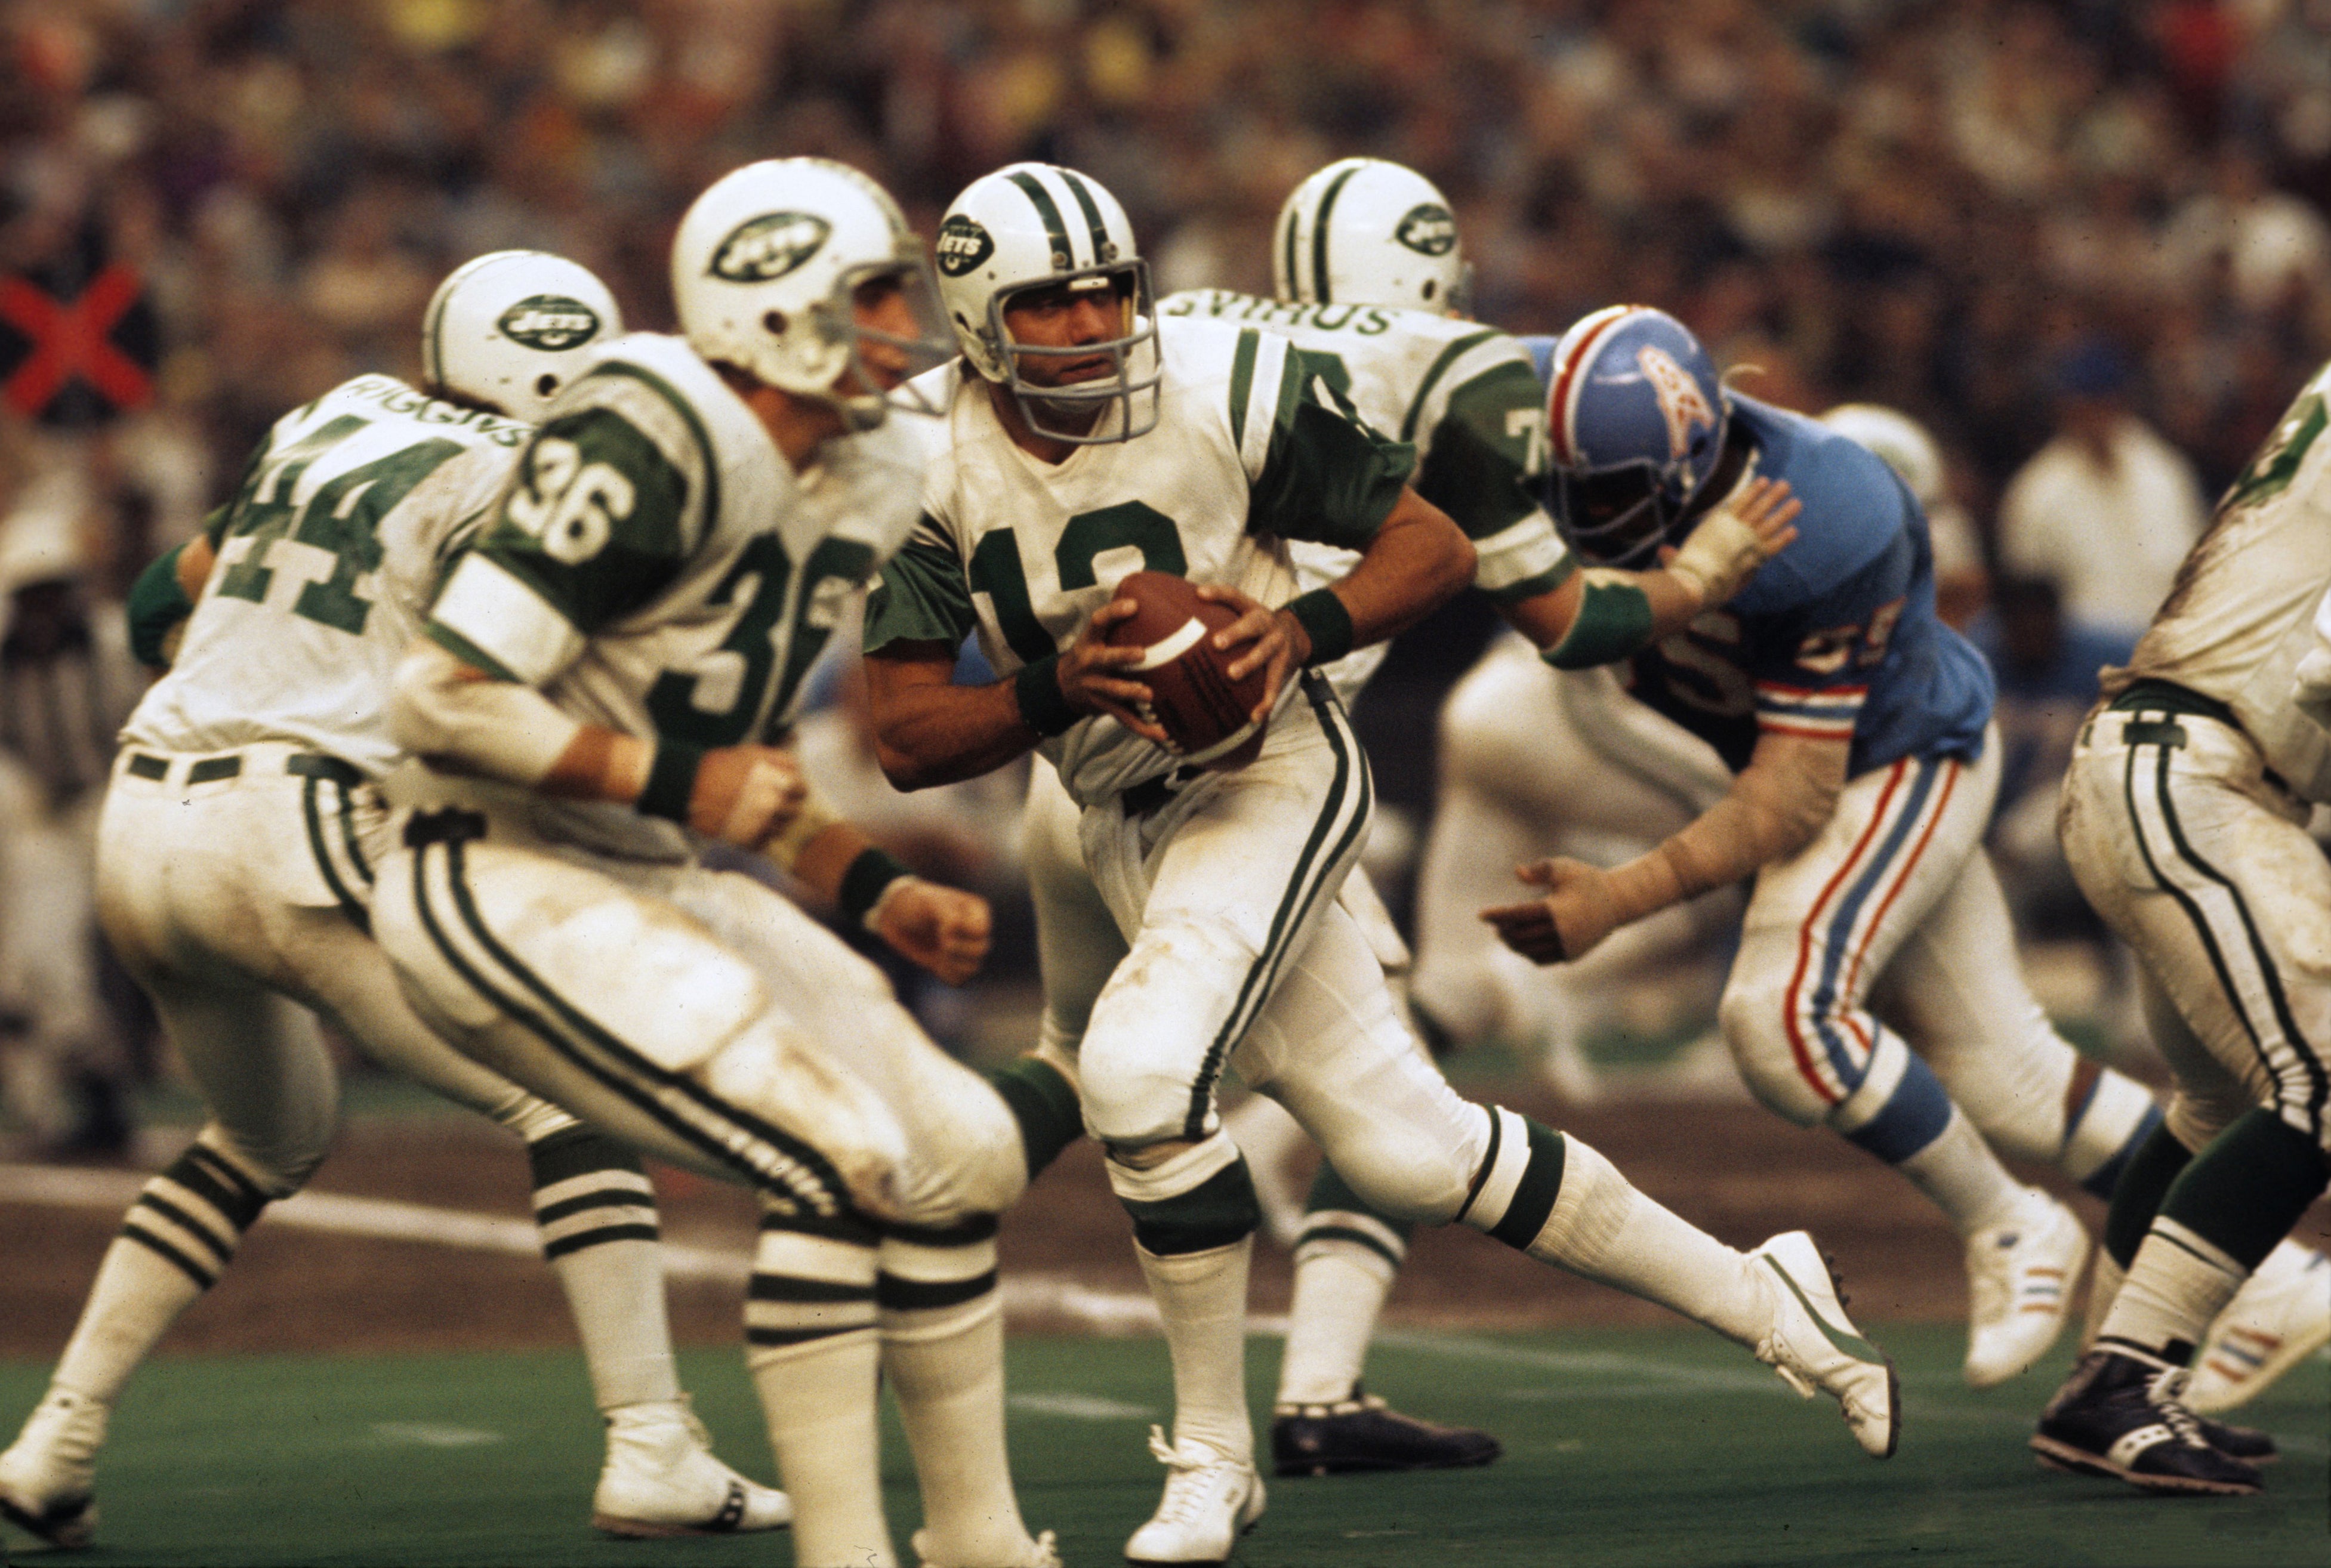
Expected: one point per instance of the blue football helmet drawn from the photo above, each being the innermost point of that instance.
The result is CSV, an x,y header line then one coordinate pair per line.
x,y
1637,418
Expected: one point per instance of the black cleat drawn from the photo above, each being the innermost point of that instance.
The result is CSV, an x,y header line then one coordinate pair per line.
x,y
2118,1416
2245,1443
1364,1434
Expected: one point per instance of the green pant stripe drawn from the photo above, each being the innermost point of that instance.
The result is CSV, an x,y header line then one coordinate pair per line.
x,y
1302,892
813,1181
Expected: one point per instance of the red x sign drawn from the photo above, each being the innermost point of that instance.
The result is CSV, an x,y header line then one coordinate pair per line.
x,y
69,339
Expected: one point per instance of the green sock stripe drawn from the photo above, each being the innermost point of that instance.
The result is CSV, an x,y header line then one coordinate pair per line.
x,y
578,1152
2158,1161
896,1293
1357,1237
1044,1103
1331,1192
1535,1193
1217,1212
2245,1191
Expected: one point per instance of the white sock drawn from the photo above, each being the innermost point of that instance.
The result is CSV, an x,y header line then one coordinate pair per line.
x,y
1965,1180
1603,1229
819,1399
945,1363
176,1241
1340,1287
598,1216
1202,1296
2105,1280
2174,1292
809,1320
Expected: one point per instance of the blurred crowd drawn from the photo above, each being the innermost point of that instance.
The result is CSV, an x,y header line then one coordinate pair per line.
x,y
2084,240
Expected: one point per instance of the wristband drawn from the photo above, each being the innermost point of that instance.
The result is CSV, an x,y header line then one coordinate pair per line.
x,y
1327,622
672,781
1037,690
871,875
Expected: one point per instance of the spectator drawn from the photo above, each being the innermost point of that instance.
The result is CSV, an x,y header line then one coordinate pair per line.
x,y
2106,509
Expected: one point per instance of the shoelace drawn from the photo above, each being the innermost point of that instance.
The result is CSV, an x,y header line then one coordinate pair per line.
x,y
1180,1500
2164,1392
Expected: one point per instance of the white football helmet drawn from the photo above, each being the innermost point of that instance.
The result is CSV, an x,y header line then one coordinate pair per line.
x,y
1367,232
509,329
1033,227
765,271
1900,439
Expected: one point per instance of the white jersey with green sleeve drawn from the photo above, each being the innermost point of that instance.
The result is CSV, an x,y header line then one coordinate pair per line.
x,y
656,566
2240,615
1463,395
1254,448
327,557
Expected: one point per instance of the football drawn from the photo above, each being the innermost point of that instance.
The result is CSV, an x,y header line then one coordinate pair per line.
x,y
1202,711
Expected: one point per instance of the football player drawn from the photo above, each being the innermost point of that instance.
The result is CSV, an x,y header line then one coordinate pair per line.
x,y
595,693
1087,436
1371,283
234,868
2184,818
1856,724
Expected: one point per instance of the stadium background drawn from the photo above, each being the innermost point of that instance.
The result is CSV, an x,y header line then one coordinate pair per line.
x,y
1926,204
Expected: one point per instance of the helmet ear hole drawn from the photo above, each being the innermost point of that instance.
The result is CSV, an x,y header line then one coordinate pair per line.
x,y
545,384
774,322
1432,287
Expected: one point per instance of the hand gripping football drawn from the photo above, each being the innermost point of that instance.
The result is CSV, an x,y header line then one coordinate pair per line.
x,y
1202,711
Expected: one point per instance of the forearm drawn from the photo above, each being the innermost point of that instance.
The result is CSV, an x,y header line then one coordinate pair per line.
x,y
929,732
456,718
1775,808
1417,561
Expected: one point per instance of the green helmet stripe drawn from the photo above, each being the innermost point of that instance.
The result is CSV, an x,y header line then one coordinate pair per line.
x,y
1092,211
1054,229
1319,233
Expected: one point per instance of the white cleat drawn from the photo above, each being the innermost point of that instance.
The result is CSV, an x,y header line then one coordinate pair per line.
x,y
48,1476
1041,1553
2275,1321
2020,1276
660,1480
1816,1349
1211,1500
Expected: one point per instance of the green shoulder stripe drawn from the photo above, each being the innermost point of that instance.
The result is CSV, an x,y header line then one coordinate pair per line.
x,y
1249,343
1327,477
1449,357
706,454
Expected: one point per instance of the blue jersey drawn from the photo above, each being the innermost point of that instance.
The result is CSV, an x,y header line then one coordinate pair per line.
x,y
1836,635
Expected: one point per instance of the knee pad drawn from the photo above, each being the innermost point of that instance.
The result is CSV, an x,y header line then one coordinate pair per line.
x,y
1150,1057
1754,1018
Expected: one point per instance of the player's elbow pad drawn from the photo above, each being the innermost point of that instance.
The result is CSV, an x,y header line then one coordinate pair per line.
x,y
449,715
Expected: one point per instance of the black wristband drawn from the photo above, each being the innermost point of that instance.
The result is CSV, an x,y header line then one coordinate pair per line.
x,y
672,781
1326,620
863,884
1037,690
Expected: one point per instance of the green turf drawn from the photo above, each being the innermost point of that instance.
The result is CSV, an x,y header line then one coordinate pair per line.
x,y
1623,1448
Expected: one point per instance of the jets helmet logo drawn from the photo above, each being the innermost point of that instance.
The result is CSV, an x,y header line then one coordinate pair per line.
x,y
963,244
550,322
760,250
1428,229
1682,403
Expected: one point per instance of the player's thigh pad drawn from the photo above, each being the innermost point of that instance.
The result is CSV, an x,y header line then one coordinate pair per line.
x,y
1332,1048
963,1145
582,981
1822,925
1078,942
1222,884
2206,869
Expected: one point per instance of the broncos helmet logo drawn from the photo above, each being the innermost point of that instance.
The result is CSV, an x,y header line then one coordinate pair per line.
x,y
1682,403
